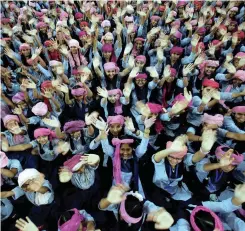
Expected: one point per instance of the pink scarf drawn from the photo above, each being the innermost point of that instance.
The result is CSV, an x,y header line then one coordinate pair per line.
x,y
77,60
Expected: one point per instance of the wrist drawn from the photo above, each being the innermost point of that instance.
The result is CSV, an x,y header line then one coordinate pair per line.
x,y
204,151
235,201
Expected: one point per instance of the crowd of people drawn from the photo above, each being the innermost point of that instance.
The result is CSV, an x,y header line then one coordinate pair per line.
x,y
122,115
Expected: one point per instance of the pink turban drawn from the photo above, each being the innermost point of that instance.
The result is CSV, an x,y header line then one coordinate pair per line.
x,y
78,15
234,9
240,34
118,105
46,84
178,35
218,222
118,119
222,27
4,160
84,23
210,83
177,50
63,15
140,58
82,33
117,160
106,23
141,76
216,119
180,98
107,48
40,109
74,163
129,19
44,132
219,152
154,108
76,72
74,126
39,14
24,46
111,66
41,24
181,3
155,18
177,154
81,91
139,39
48,43
18,97
73,43
9,118
240,74
238,109
53,63
201,30
240,55
173,72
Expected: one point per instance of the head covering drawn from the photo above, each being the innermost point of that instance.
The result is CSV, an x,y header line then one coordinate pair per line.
x,y
109,48
178,35
238,109
54,63
78,15
118,119
106,23
40,109
82,33
234,9
210,63
129,19
177,50
76,72
24,46
81,91
139,39
173,72
27,174
73,126
48,43
181,3
118,105
140,58
155,18
44,132
141,76
210,83
18,97
154,108
240,55
83,23
46,84
181,98
4,160
219,152
73,43
240,74
8,118
72,224
177,154
111,66
201,30
74,163
117,160
41,24
218,222
107,36
216,119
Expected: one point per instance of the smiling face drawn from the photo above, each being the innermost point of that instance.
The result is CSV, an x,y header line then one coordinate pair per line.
x,y
174,161
209,70
113,98
26,52
138,45
107,55
42,140
139,64
73,49
110,73
115,129
240,117
140,82
76,135
126,151
12,125
175,56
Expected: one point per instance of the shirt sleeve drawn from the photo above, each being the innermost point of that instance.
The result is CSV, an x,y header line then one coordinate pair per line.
x,y
87,216
142,147
15,164
230,125
107,148
18,192
234,222
150,207
93,145
34,120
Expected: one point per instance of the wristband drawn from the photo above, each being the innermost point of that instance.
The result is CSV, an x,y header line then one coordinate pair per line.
x,y
205,153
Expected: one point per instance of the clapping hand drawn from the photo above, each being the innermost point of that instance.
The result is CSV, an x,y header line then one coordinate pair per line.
x,y
53,122
239,193
167,72
17,110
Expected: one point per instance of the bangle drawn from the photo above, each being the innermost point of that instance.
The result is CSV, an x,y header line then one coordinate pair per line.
x,y
203,151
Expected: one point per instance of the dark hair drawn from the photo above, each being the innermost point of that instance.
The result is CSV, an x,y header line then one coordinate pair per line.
x,y
204,221
66,216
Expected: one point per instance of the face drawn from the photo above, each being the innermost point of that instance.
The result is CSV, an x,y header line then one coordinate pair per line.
x,y
209,127
33,185
115,129
107,55
26,52
154,22
83,38
126,151
50,48
240,117
138,45
12,125
174,161
231,27
175,56
140,82
236,62
22,105
236,82
76,134
42,139
232,14
106,29
43,29
113,98
110,73
78,98
139,64
73,49
228,168
209,70
170,79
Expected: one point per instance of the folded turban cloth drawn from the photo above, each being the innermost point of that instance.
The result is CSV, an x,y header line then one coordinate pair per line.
x,y
5,20
201,30
74,126
220,151
9,118
27,174
176,50
78,15
210,83
106,23
139,39
234,9
24,46
4,160
240,55
155,18
181,3
82,33
140,58
118,105
53,63
76,72
84,23
18,97
107,48
39,14
74,163
240,74
73,43
40,109
81,91
222,27
129,19
178,35
177,154
41,24
238,109
141,76
111,66
240,34
48,43
218,222
44,132
46,84
154,108
118,119
216,119
180,98
173,72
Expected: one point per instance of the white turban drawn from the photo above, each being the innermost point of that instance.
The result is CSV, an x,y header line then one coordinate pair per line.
x,y
27,174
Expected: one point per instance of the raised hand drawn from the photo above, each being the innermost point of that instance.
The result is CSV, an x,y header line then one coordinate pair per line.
x,y
25,226
134,72
62,87
115,195
53,122
211,49
188,95
178,144
229,57
230,68
96,62
160,54
29,84
206,97
200,58
226,159
188,69
208,139
131,61
127,90
201,22
149,122
129,124
194,40
153,72
64,50
100,124
167,71
102,92
47,94
9,52
239,193
216,94
17,110
93,159
128,49
89,119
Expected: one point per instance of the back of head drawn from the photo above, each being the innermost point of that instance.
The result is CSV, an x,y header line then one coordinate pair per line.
x,y
204,221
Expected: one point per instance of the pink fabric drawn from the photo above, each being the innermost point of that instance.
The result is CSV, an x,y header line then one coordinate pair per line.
x,y
155,18
4,160
109,48
73,43
116,159
210,83
240,55
129,19
118,119
240,74
181,98
177,50
118,105
82,33
126,217
44,132
18,97
154,108
238,158
24,46
39,14
106,23
41,24
242,212
177,154
71,163
79,91
173,72
218,222
234,9
178,35
73,126
201,30
84,23
76,72
139,39
63,15
8,118
216,119
111,66
181,3
141,76
73,224
238,109
140,58
78,15
210,63
40,109
53,63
